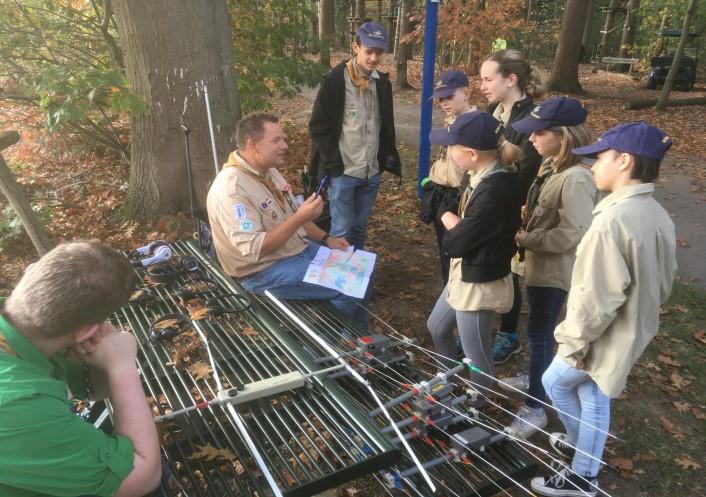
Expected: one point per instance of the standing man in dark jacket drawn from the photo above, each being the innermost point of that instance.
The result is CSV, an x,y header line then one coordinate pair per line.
x,y
353,134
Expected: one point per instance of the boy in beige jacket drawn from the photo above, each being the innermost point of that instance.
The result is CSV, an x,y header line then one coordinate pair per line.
x,y
625,266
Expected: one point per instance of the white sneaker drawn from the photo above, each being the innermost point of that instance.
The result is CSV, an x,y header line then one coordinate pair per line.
x,y
526,423
520,381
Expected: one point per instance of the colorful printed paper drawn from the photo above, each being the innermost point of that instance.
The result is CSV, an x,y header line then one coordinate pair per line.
x,y
347,271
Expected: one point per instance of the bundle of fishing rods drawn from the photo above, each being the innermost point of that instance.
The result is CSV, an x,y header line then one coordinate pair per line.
x,y
254,395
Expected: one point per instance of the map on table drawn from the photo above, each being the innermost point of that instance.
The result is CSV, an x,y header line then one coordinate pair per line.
x,y
347,271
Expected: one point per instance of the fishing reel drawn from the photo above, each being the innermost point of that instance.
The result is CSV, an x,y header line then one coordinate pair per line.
x,y
153,253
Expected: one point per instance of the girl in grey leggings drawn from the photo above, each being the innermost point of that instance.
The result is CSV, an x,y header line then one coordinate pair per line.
x,y
475,337
479,239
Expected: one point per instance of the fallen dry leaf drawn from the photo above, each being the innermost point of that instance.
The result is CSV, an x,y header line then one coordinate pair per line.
x,y
167,323
685,463
622,463
250,331
200,370
697,413
666,424
700,336
681,308
198,313
682,243
678,381
669,361
681,406
650,365
209,453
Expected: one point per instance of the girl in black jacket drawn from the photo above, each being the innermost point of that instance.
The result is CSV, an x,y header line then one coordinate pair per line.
x,y
479,239
512,86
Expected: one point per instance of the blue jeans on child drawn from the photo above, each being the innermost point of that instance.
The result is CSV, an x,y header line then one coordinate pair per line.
x,y
577,397
284,279
351,202
545,304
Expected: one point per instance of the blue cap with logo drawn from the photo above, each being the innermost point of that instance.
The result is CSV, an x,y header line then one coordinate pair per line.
x,y
372,35
560,111
477,130
637,138
448,83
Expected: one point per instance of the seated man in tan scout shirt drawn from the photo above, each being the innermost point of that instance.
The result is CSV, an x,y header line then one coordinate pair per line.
x,y
260,235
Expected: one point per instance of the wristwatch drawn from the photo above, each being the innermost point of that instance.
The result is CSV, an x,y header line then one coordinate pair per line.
x,y
323,240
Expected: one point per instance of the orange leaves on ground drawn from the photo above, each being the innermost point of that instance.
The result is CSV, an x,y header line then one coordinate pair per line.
x,y
201,370
685,462
678,381
681,406
251,332
209,453
668,360
669,427
623,464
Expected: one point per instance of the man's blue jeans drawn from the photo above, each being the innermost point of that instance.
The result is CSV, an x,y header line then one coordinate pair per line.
x,y
545,304
577,397
284,279
351,202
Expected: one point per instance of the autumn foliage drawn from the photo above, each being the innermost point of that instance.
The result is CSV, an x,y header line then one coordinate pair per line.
x,y
467,29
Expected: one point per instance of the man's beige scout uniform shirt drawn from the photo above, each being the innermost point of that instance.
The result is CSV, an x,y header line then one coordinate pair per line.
x,y
495,295
241,211
624,270
561,217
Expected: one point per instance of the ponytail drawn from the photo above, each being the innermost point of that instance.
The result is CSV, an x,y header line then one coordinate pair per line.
x,y
536,84
508,152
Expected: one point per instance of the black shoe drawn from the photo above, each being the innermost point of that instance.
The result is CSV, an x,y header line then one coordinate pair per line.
x,y
565,483
561,443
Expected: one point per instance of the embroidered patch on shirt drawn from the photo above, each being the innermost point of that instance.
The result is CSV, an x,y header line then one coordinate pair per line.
x,y
247,225
266,204
239,211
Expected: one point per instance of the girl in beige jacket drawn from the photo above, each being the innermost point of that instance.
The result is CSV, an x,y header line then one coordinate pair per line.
x,y
556,216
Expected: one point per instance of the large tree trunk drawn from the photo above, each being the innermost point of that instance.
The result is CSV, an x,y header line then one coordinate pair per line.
x,y
607,27
314,31
667,87
627,43
405,49
390,26
359,11
587,28
325,31
565,75
172,49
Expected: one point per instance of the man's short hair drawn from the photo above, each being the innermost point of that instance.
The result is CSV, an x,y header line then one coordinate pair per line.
x,y
76,284
252,127
646,169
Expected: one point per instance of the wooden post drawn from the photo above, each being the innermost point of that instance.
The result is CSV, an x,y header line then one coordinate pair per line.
x,y
34,228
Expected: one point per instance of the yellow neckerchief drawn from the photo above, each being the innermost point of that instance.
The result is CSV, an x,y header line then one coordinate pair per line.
x,y
358,79
234,160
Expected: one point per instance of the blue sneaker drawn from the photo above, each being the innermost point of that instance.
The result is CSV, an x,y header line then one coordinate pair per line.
x,y
505,346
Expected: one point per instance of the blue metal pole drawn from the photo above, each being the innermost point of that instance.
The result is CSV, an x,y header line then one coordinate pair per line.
x,y
430,21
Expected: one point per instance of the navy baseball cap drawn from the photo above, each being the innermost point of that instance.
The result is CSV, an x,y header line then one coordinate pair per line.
x,y
372,35
478,130
560,111
448,83
637,138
